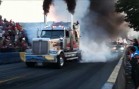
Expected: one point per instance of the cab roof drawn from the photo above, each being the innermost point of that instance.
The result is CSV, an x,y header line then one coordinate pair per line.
x,y
59,26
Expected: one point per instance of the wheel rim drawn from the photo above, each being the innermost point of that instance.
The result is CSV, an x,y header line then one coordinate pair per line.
x,y
61,61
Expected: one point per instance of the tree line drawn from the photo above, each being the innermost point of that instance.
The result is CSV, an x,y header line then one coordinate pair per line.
x,y
131,10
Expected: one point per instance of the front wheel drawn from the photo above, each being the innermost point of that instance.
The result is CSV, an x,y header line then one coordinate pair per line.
x,y
60,61
79,57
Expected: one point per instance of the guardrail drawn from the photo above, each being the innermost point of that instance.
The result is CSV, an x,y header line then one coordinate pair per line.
x,y
11,57
120,81
117,77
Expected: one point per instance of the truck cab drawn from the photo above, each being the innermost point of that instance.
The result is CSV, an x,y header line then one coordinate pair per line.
x,y
56,44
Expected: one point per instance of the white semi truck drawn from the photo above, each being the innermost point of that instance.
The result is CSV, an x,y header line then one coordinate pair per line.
x,y
56,44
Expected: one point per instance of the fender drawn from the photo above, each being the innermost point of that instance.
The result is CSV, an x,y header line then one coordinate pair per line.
x,y
59,51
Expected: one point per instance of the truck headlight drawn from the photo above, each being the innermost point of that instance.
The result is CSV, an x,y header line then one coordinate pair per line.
x,y
122,48
114,48
52,52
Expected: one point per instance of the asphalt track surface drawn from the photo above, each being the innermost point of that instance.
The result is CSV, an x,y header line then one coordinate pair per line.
x,y
72,76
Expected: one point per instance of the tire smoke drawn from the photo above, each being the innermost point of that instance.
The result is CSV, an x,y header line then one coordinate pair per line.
x,y
99,23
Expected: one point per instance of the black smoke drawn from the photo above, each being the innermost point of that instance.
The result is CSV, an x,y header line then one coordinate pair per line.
x,y
46,6
71,4
102,19
0,2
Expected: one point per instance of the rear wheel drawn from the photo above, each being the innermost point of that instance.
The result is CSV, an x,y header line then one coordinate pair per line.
x,y
30,64
60,61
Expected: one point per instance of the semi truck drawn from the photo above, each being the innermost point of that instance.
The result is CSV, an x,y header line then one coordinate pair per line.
x,y
56,44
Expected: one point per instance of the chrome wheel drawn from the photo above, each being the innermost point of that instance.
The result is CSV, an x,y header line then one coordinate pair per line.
x,y
61,61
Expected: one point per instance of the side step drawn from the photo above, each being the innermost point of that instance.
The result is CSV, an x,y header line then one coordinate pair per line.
x,y
72,58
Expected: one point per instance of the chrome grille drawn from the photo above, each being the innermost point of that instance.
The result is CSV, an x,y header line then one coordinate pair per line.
x,y
40,47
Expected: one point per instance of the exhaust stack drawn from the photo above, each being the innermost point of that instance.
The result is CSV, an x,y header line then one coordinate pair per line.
x,y
45,19
71,21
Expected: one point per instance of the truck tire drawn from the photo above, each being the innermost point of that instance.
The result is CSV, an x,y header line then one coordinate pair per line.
x,y
60,61
79,57
30,64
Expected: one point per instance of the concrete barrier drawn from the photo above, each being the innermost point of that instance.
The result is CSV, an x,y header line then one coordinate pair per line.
x,y
10,57
120,82
117,77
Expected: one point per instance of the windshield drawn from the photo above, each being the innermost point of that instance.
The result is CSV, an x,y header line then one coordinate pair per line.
x,y
52,34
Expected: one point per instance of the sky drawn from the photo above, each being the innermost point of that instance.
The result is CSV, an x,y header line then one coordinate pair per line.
x,y
32,11
22,10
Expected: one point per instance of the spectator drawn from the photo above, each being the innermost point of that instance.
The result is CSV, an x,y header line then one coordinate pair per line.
x,y
135,42
137,78
1,34
0,17
134,55
11,35
1,21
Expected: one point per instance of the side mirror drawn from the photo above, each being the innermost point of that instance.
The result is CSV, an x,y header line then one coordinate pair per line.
x,y
38,35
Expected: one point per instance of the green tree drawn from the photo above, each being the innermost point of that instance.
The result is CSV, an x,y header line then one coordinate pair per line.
x,y
131,9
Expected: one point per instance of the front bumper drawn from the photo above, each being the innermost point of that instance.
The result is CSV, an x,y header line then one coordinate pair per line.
x,y
41,58
117,51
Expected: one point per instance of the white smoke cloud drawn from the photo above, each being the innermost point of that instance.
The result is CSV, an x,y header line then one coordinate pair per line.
x,y
95,52
32,29
133,34
92,51
81,9
58,11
